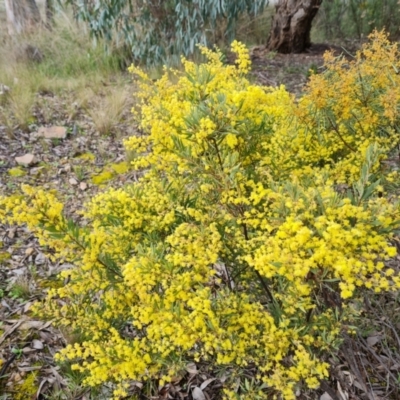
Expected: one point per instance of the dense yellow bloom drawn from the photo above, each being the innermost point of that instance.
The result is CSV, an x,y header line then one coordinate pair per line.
x,y
228,247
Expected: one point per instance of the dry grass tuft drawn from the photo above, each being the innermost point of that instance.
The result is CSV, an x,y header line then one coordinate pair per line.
x,y
107,111
57,61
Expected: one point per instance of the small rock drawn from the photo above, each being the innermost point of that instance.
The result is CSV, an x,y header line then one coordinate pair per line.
x,y
83,186
26,160
53,132
73,181
37,344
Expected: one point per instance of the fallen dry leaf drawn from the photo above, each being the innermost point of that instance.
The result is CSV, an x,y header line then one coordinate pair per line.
x,y
37,344
11,233
344,395
39,325
206,383
40,259
10,330
29,369
29,251
373,340
191,368
198,394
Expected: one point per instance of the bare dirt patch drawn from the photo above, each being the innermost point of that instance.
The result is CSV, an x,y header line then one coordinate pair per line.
x,y
291,70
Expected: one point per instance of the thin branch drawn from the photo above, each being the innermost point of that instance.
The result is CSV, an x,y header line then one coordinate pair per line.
x,y
351,359
6,365
335,128
260,278
219,156
81,246
377,358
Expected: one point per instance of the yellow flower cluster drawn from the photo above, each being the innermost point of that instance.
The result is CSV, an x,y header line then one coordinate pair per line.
x,y
347,108
228,249
243,58
321,232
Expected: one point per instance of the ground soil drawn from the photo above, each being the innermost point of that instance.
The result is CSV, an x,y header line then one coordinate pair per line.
x,y
291,70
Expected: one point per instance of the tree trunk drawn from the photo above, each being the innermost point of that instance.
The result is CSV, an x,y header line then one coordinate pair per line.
x,y
22,15
291,25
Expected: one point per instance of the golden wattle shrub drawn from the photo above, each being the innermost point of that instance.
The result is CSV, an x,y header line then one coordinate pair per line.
x,y
235,248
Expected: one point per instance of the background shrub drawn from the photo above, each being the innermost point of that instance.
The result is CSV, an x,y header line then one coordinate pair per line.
x,y
347,19
158,31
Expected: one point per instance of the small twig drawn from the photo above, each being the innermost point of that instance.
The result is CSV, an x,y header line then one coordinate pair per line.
x,y
370,393
229,278
354,367
359,123
6,365
264,285
377,358
219,156
393,329
346,51
335,128
10,330
309,315
398,150
260,278
82,247
97,258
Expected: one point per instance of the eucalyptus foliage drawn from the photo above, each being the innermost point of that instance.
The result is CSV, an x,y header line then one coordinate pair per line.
x,y
160,31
